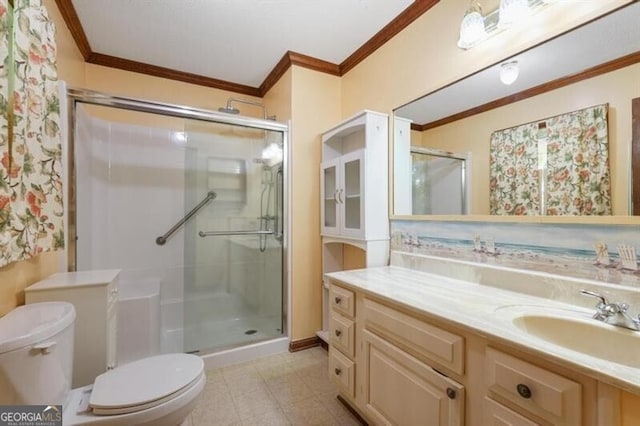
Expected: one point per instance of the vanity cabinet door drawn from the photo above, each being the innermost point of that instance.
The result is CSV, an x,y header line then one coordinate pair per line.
x,y
401,390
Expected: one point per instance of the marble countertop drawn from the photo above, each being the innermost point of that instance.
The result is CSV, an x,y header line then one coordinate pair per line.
x,y
489,312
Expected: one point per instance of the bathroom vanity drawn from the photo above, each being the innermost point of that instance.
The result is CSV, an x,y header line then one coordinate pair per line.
x,y
413,348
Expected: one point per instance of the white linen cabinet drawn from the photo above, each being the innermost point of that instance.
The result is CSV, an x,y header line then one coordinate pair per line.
x,y
354,210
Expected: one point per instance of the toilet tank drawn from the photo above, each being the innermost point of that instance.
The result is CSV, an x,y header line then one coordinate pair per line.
x,y
36,354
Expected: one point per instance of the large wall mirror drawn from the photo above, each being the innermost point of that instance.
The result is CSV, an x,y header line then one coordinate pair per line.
x,y
597,63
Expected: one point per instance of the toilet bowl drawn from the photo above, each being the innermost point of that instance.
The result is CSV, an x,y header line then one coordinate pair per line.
x,y
36,356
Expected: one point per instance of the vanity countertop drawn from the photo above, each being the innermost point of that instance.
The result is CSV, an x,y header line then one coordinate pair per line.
x,y
489,311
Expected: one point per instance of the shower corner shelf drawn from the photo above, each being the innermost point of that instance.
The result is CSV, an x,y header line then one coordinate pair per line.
x,y
354,197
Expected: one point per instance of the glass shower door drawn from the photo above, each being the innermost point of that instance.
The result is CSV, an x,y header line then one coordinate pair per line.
x,y
233,293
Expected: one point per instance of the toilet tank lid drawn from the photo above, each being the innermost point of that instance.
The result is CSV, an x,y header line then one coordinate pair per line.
x,y
34,323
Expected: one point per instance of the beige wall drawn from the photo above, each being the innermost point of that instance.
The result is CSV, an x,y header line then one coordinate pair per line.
x,y
278,98
315,108
18,275
472,134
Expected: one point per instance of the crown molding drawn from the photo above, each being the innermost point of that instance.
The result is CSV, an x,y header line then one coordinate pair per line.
x,y
72,20
410,14
399,23
292,58
157,71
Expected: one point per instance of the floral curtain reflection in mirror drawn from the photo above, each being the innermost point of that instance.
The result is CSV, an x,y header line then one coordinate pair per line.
x,y
30,148
558,166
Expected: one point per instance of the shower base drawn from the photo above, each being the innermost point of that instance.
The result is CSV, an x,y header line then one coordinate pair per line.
x,y
225,331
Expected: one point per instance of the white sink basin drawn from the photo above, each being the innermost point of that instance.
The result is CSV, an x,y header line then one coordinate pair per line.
x,y
584,335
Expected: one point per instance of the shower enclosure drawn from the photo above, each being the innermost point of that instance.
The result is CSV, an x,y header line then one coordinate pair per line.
x,y
190,201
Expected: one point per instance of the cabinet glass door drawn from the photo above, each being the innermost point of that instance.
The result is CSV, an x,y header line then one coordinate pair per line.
x,y
330,197
350,195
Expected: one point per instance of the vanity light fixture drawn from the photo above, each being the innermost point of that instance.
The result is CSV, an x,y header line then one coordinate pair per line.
x,y
476,27
509,72
472,29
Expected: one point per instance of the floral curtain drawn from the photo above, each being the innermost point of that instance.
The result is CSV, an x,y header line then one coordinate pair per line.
x,y
33,160
571,160
5,204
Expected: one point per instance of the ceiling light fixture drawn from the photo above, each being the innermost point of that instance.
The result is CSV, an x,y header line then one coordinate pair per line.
x,y
509,72
472,29
476,27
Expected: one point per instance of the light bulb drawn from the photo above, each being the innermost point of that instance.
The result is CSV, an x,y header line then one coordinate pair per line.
x,y
509,72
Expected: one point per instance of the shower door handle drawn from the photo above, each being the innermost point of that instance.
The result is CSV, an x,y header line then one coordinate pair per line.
x,y
278,197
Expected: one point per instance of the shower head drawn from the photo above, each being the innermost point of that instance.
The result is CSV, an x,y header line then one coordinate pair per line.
x,y
229,109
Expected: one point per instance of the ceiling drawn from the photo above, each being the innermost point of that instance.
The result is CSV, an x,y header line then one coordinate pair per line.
x,y
237,41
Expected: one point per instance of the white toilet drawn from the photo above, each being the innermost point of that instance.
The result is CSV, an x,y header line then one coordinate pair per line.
x,y
36,357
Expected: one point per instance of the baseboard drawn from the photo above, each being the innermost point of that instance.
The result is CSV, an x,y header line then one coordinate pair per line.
x,y
324,345
352,410
299,345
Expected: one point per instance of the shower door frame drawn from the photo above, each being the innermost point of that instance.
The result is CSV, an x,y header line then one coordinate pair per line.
x,y
75,96
465,158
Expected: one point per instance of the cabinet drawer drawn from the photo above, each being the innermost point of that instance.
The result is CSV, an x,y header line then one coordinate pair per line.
x,y
341,334
496,414
342,372
433,343
342,301
541,392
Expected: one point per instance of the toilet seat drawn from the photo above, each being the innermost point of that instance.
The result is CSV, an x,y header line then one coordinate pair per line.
x,y
144,384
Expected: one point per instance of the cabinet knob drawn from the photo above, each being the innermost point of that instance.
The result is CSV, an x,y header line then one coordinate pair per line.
x,y
523,391
338,333
451,393
337,299
337,371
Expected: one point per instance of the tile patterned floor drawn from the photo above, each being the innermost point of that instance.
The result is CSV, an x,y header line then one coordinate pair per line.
x,y
284,389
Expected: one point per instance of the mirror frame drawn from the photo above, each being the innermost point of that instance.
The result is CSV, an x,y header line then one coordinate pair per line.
x,y
594,71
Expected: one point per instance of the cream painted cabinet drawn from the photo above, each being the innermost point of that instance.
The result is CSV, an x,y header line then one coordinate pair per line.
x,y
370,363
402,390
402,360
94,296
396,366
342,341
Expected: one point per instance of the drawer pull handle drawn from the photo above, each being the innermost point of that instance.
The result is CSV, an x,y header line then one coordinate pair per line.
x,y
451,393
523,391
338,300
338,333
337,371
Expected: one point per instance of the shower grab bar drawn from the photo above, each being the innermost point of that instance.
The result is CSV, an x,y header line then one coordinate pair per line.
x,y
163,239
220,233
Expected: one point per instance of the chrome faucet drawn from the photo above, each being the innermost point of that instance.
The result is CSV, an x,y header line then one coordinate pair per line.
x,y
613,313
